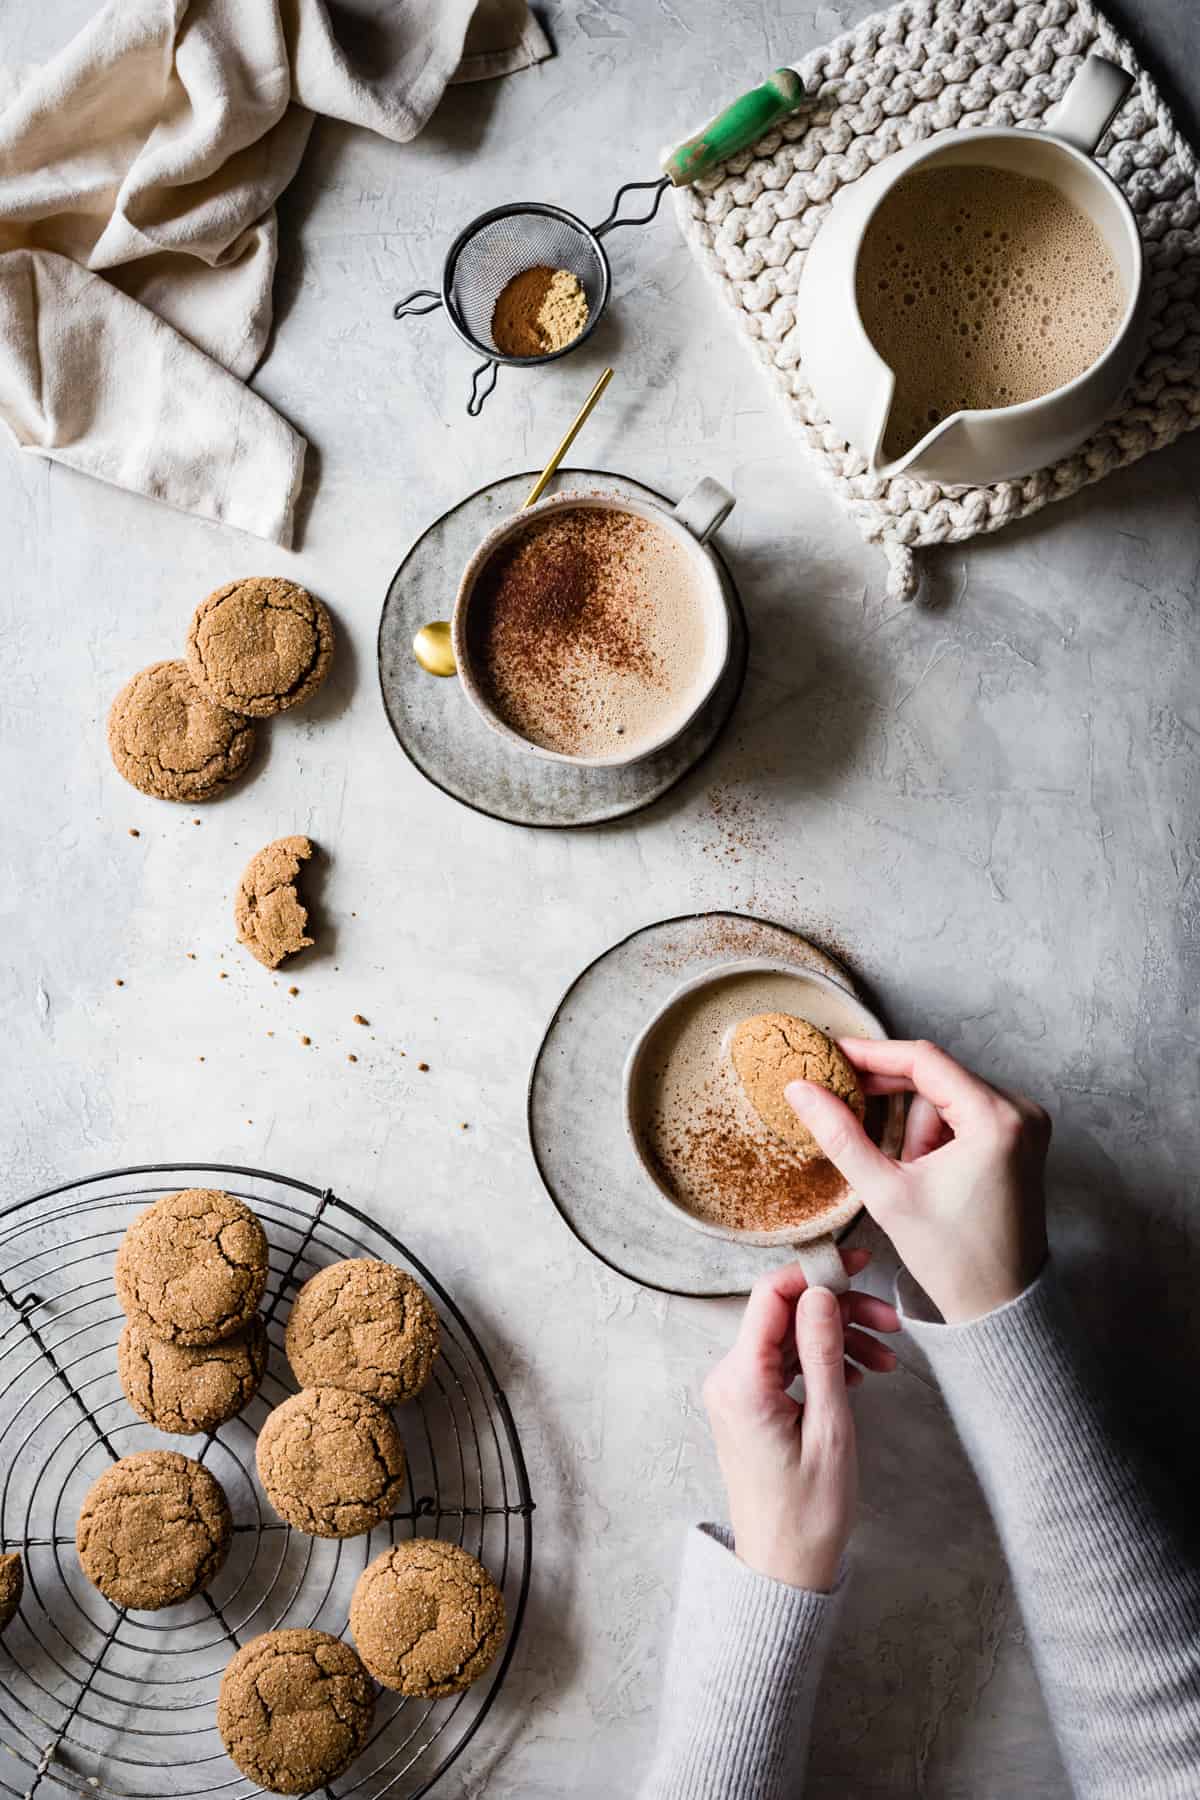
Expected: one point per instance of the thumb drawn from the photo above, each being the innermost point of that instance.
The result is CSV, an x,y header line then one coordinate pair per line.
x,y
821,1346
841,1138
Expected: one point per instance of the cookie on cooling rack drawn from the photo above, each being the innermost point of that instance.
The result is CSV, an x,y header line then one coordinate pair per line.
x,y
192,1268
188,1388
153,1530
332,1462
12,1586
294,1710
363,1325
427,1618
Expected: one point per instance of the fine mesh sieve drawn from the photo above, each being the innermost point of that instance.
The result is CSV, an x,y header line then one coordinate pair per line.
x,y
506,242
502,244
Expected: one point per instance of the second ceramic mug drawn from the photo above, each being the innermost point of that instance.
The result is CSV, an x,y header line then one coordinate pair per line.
x,y
812,1242
690,524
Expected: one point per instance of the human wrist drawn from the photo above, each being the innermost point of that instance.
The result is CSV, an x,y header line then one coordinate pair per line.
x,y
812,1564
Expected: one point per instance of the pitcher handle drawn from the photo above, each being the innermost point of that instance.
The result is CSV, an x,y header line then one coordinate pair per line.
x,y
1087,108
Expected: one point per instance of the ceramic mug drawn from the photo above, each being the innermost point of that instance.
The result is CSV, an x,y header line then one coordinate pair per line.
x,y
853,383
813,1243
690,524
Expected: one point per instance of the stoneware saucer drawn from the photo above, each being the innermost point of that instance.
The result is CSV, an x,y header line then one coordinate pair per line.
x,y
576,1106
445,739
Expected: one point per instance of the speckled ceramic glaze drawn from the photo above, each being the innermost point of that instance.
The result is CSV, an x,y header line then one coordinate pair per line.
x,y
585,1154
447,740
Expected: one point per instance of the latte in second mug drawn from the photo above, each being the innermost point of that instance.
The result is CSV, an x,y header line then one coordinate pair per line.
x,y
591,630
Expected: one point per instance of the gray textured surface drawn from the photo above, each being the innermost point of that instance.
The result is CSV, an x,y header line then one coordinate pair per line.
x,y
986,802
447,740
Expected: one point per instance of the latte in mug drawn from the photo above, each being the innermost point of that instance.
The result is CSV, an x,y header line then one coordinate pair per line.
x,y
981,288
588,634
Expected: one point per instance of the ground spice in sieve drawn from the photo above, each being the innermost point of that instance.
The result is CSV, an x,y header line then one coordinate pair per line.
x,y
540,311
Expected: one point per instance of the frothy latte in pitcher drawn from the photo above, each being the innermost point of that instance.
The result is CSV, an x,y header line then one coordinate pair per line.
x,y
981,288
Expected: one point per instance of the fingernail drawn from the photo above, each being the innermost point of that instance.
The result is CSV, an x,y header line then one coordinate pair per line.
x,y
818,1300
799,1096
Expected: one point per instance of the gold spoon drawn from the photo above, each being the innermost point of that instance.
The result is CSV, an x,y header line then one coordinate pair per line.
x,y
432,646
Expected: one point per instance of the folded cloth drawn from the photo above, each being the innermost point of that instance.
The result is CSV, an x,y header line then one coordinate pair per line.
x,y
138,177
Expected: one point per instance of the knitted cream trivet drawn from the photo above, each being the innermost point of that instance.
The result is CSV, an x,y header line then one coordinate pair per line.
x,y
895,80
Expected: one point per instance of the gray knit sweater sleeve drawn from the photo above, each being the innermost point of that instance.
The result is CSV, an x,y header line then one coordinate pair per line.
x,y
1111,1601
742,1671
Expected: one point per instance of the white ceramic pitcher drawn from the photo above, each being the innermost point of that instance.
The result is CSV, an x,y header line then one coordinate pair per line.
x,y
852,382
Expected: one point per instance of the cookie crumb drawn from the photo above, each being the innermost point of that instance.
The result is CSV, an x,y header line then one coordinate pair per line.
x,y
359,1020
424,1068
196,821
464,1126
199,1059
306,1041
293,991
191,956
118,982
351,1057
270,1034
223,976
134,832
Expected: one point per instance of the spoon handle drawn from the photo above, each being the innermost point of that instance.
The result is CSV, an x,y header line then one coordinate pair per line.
x,y
539,486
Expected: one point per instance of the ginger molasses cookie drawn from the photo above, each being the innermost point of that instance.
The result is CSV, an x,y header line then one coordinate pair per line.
x,y
267,908
186,1388
259,645
363,1325
12,1586
192,1268
153,1530
772,1049
170,740
294,1709
427,1618
331,1462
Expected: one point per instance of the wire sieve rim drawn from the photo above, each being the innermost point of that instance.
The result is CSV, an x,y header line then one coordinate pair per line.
x,y
510,210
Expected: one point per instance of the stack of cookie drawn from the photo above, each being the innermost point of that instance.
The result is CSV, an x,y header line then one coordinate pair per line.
x,y
183,730
190,1272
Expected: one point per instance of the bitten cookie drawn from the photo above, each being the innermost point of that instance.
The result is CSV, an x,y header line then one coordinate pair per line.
x,y
12,1587
772,1049
267,909
259,645
153,1530
294,1709
186,1388
331,1462
427,1618
363,1325
192,1268
170,740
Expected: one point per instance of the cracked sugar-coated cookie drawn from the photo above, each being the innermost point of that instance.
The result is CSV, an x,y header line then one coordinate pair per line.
x,y
259,645
427,1618
771,1049
294,1709
192,1268
332,1462
267,908
363,1325
12,1586
187,1388
153,1530
170,740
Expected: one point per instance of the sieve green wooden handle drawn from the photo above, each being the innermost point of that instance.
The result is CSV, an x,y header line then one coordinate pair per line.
x,y
736,128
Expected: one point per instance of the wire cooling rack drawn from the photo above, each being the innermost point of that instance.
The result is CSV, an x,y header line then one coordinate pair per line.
x,y
97,1700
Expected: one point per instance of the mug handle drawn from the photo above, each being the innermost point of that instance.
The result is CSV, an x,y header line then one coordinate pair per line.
x,y
704,507
821,1261
1086,110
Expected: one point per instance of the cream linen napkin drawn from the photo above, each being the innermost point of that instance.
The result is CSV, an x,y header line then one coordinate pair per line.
x,y
138,177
